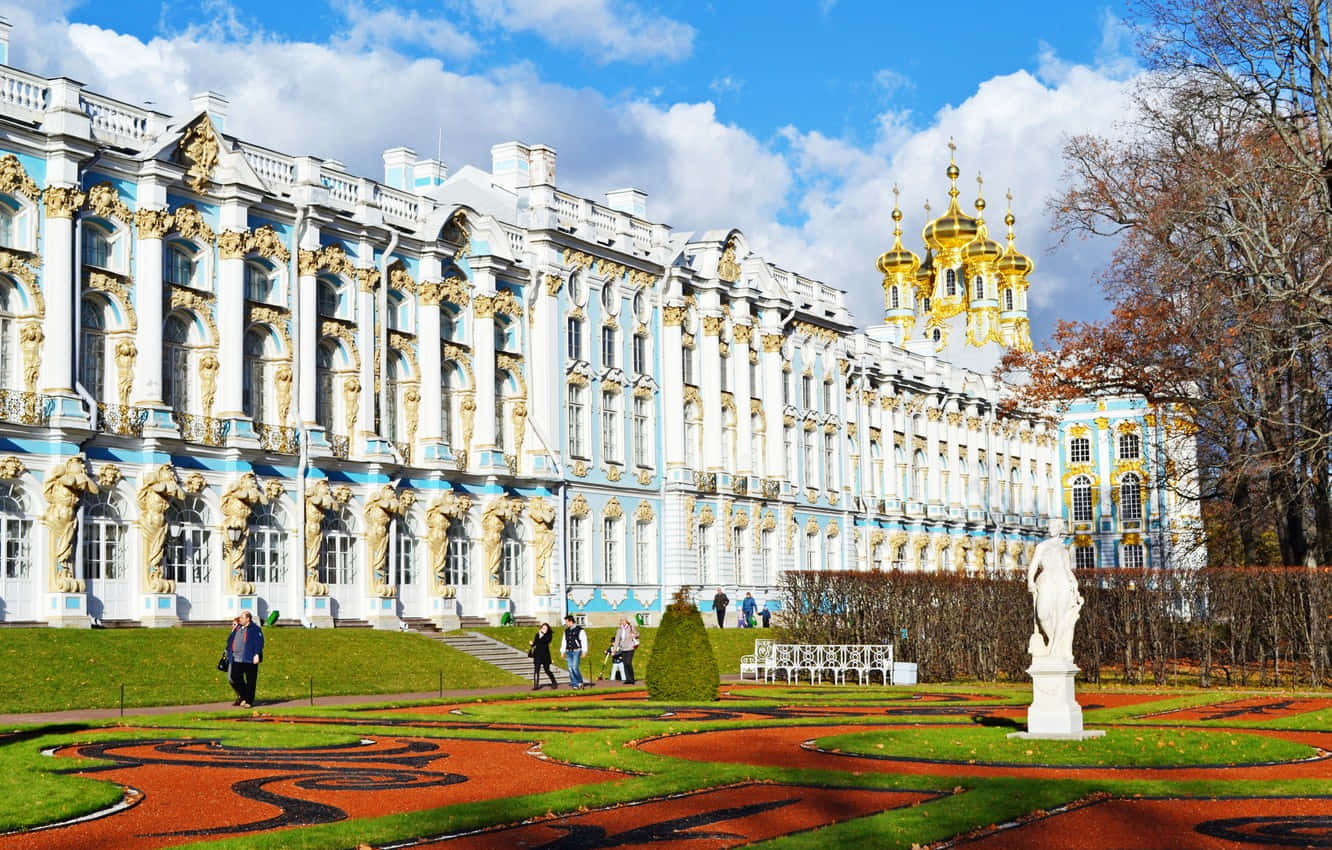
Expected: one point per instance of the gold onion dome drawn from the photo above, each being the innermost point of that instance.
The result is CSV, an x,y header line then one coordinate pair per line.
x,y
954,228
1013,263
982,249
898,260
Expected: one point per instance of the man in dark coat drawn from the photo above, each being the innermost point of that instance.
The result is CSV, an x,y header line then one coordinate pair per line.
x,y
719,603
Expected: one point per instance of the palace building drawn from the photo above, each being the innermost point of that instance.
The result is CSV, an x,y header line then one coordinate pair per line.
x,y
233,378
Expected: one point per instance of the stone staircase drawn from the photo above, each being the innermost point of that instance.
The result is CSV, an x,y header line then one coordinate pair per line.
x,y
493,652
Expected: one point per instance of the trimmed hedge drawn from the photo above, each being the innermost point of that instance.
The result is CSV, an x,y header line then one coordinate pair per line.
x,y
682,667
1219,625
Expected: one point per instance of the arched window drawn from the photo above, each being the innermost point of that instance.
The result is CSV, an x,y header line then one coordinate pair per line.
x,y
257,378
1079,450
1082,500
9,365
611,427
644,572
180,266
693,434
1130,498
876,468
338,566
942,495
266,551
918,473
178,377
1015,489
187,546
8,225
506,334
728,439
1034,500
324,386
15,532
894,298
92,347
448,324
950,282
978,287
511,556
403,556
612,548
501,379
457,565
103,539
610,298
577,549
399,319
328,298
1130,446
97,250
946,559
1008,299
260,282
446,389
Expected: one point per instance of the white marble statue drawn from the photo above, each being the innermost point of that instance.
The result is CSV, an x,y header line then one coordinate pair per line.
x,y
1058,603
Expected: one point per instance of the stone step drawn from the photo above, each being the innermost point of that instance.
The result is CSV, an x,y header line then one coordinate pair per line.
x,y
22,624
493,652
351,623
118,624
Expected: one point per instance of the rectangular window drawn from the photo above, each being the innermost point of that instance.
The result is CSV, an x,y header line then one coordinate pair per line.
x,y
807,392
257,284
705,565
1079,450
687,364
92,368
740,555
1133,556
610,428
807,449
610,550
788,440
610,356
1084,557
767,550
642,434
755,391
829,463
575,331
640,354
786,388
577,550
643,553
577,425
827,397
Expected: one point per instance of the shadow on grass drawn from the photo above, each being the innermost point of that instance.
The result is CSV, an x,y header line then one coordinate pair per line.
x,y
991,720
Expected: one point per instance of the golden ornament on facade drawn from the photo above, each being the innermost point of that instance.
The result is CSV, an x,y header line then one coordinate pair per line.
x,y
264,241
62,201
614,472
14,179
687,340
640,279
645,477
188,222
609,269
198,152
727,268
31,337
126,351
15,265
579,468
104,201
208,367
158,490
153,224
231,244
498,513
331,258
706,517
237,502
577,259
772,343
541,513
108,476
112,285
11,467
484,307
380,508
554,283
64,487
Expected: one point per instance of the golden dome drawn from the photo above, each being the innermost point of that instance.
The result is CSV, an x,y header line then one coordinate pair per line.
x,y
898,260
1013,263
982,249
954,228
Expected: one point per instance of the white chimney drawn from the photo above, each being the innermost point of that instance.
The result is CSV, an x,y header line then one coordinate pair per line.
x,y
509,165
398,165
632,201
214,104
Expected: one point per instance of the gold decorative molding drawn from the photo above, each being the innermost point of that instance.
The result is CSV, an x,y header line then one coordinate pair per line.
x,y
727,268
188,222
125,353
367,279
64,487
31,337
237,502
104,201
62,201
811,527
401,279
337,330
112,285
577,259
579,468
613,509
277,317
331,258
641,280
673,317
826,335
554,283
498,513
742,334
156,493
380,508
484,306
198,152
14,179
833,530
231,244
11,467
712,325
108,476
199,302
152,224
706,517
644,477
541,513
689,502
644,513
614,472
609,269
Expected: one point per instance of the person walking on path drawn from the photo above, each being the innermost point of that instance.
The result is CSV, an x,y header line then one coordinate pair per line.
x,y
575,644
747,607
624,644
719,603
540,653
232,678
247,650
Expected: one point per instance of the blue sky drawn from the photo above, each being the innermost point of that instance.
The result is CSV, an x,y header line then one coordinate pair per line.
x,y
790,120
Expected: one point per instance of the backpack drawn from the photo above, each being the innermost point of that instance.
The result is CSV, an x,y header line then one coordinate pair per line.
x,y
572,643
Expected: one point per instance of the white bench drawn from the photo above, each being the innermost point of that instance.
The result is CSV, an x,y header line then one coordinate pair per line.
x,y
814,660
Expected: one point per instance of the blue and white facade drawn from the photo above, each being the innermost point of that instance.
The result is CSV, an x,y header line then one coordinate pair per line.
x,y
239,379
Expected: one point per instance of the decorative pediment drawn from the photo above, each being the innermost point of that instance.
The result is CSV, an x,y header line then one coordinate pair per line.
x,y
198,152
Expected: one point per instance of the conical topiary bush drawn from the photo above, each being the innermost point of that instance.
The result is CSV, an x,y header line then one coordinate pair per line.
x,y
682,667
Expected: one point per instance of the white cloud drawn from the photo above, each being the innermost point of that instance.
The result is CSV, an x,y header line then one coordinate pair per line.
x,y
810,202
607,30
389,27
726,84
891,82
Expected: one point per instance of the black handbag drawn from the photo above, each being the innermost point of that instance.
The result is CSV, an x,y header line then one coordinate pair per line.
x,y
222,663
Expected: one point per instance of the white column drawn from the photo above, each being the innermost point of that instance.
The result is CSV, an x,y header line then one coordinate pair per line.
x,y
231,316
148,304
483,359
932,428
709,362
744,435
671,426
865,464
1103,466
57,373
543,406
367,339
771,364
308,324
430,347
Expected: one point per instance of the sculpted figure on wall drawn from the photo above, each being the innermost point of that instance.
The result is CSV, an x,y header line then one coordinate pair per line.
x,y
319,500
64,486
542,514
31,338
497,514
351,402
156,493
237,503
208,382
282,382
126,352
379,511
1058,603
441,512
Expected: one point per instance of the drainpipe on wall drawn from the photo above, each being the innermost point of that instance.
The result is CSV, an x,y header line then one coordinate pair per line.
x,y
385,427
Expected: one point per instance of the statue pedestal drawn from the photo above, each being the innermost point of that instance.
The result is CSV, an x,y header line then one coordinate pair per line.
x,y
318,612
496,608
1054,713
68,611
382,612
235,604
444,613
159,610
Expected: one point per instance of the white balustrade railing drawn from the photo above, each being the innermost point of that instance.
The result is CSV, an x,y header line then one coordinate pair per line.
x,y
569,207
341,187
27,92
517,242
603,219
274,168
397,203
111,118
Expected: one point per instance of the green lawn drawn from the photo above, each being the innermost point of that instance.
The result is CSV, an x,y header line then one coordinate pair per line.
x,y
727,645
56,669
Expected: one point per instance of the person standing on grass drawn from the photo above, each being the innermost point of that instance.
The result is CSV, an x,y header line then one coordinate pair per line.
x,y
719,603
624,644
748,607
247,649
575,644
232,678
540,653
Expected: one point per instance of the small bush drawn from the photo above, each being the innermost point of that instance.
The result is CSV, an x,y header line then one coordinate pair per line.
x,y
682,667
